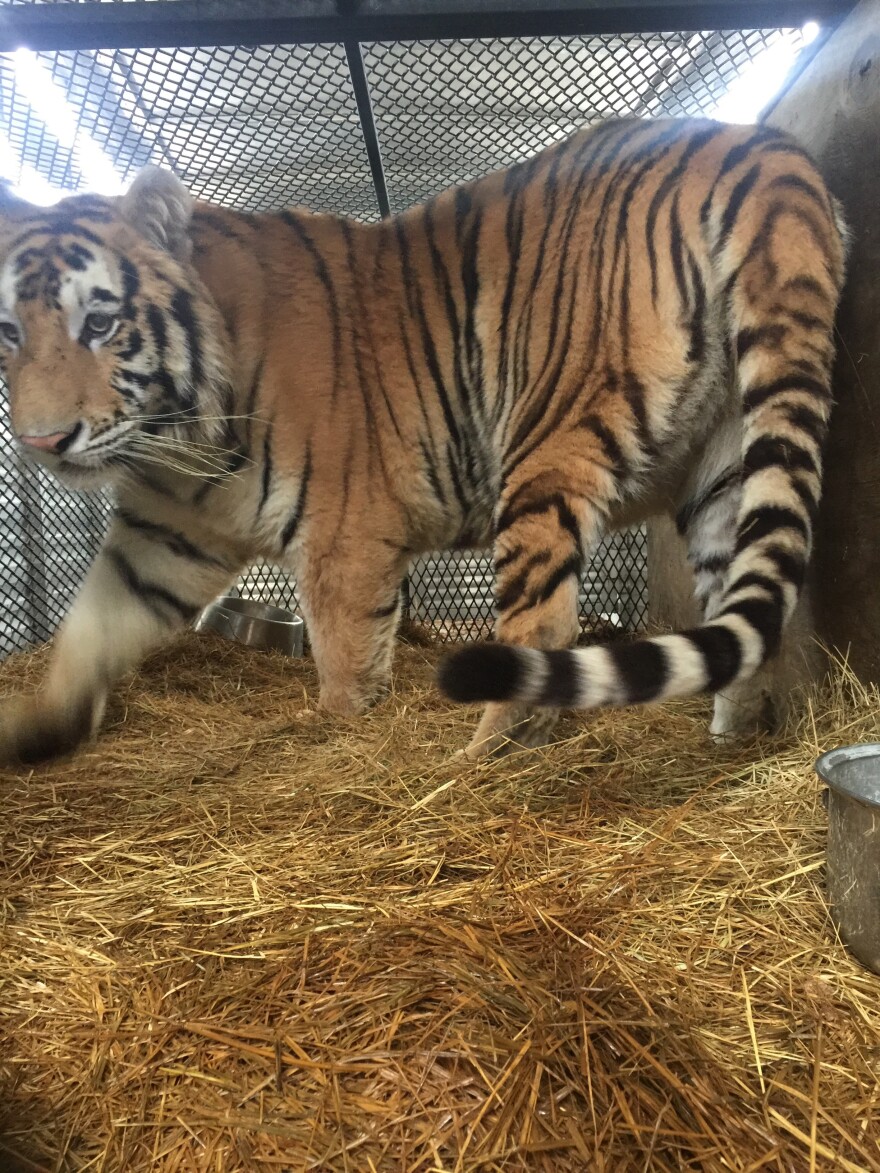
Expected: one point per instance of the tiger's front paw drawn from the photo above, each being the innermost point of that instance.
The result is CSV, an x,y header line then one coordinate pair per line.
x,y
32,730
342,702
354,701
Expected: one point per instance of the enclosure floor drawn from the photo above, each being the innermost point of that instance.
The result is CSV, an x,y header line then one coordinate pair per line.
x,y
239,936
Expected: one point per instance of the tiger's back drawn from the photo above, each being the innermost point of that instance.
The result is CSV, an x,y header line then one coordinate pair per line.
x,y
637,320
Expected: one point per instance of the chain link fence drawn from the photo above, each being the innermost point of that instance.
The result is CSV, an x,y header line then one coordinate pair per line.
x,y
260,128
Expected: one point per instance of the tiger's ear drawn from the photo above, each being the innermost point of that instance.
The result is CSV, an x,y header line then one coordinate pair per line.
x,y
159,207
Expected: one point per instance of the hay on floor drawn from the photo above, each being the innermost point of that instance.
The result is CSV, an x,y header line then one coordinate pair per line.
x,y
239,936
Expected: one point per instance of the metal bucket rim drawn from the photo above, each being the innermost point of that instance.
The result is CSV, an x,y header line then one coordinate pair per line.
x,y
826,764
253,609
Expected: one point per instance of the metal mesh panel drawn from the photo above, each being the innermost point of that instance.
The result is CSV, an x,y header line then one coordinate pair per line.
x,y
48,541
249,128
274,125
449,111
452,593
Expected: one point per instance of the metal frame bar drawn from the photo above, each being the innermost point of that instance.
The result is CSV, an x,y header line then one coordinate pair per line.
x,y
31,523
361,88
180,23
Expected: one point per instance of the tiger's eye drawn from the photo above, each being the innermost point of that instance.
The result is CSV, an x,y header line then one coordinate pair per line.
x,y
97,324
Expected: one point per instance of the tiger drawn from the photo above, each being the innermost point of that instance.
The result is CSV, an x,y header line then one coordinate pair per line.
x,y
637,320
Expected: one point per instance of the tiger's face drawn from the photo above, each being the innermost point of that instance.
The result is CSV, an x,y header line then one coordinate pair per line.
x,y
110,346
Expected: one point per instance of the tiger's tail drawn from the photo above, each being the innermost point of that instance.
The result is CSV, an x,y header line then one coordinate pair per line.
x,y
781,289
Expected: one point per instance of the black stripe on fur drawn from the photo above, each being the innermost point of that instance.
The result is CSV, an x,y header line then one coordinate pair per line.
x,y
481,672
643,670
387,610
156,598
721,653
755,397
171,539
767,451
562,687
765,616
712,564
764,520
295,518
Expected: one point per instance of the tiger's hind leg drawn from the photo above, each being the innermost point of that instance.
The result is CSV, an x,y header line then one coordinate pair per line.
x,y
708,522
544,525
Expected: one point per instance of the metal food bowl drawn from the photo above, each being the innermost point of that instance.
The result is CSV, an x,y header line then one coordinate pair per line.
x,y
852,775
256,625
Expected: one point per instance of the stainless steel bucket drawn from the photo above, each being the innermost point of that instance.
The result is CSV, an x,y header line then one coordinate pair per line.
x,y
852,775
254,624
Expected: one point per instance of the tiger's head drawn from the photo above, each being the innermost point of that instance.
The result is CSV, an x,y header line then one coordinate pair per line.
x,y
112,349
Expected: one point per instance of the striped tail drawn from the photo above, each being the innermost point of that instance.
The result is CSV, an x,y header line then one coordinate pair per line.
x,y
783,292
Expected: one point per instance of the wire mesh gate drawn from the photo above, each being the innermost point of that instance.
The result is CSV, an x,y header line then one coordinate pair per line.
x,y
356,127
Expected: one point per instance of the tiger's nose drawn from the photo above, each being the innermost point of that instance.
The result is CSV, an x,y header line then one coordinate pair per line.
x,y
52,442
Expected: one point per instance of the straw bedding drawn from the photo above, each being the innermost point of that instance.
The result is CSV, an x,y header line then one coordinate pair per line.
x,y
240,936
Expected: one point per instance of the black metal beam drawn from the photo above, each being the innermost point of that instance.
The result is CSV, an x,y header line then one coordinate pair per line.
x,y
176,23
361,88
